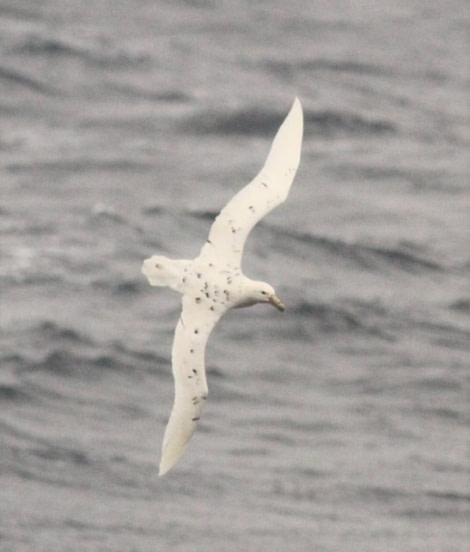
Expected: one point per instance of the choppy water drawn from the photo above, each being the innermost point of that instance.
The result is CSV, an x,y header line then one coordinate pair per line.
x,y
341,424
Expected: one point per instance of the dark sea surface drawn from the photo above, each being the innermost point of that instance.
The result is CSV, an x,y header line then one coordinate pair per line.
x,y
340,425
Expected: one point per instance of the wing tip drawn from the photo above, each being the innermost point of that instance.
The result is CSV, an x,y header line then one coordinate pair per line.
x,y
168,461
163,470
297,105
287,143
296,111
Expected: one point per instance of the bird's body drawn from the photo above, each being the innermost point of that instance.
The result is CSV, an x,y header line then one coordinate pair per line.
x,y
213,282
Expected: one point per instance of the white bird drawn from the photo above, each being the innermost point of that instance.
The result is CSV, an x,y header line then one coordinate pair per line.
x,y
213,282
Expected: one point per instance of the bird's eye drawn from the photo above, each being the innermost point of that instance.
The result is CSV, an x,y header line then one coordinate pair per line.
x,y
264,293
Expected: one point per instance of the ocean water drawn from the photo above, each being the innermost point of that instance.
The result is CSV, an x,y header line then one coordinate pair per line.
x,y
339,425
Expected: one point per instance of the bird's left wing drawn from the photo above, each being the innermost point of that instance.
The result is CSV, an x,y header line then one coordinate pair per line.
x,y
265,192
189,344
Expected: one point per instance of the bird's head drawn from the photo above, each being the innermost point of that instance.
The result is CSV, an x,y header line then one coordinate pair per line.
x,y
265,293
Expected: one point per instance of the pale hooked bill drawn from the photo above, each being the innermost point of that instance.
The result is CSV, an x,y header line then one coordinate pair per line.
x,y
213,282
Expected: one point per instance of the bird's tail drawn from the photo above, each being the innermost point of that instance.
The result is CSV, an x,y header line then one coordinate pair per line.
x,y
162,271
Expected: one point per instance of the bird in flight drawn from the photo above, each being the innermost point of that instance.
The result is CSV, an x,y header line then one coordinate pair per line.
x,y
213,282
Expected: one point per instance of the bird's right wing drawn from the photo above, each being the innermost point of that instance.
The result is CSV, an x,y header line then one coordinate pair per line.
x,y
265,192
189,372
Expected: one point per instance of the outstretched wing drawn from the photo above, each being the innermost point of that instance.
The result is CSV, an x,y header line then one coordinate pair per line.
x,y
191,335
265,192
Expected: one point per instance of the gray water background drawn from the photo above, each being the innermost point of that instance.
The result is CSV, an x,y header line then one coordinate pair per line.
x,y
340,425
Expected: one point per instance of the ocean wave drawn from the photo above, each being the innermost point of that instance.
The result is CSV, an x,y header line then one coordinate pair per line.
x,y
13,389
45,459
399,258
87,164
63,454
263,122
348,316
50,46
333,122
249,121
19,79
65,379
135,90
363,255
461,305
153,210
66,351
65,363
52,331
94,53
283,67
14,392
445,335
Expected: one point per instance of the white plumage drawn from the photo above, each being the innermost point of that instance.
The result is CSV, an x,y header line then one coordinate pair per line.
x,y
213,282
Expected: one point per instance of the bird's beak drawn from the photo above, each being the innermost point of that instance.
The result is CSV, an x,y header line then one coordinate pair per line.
x,y
274,300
